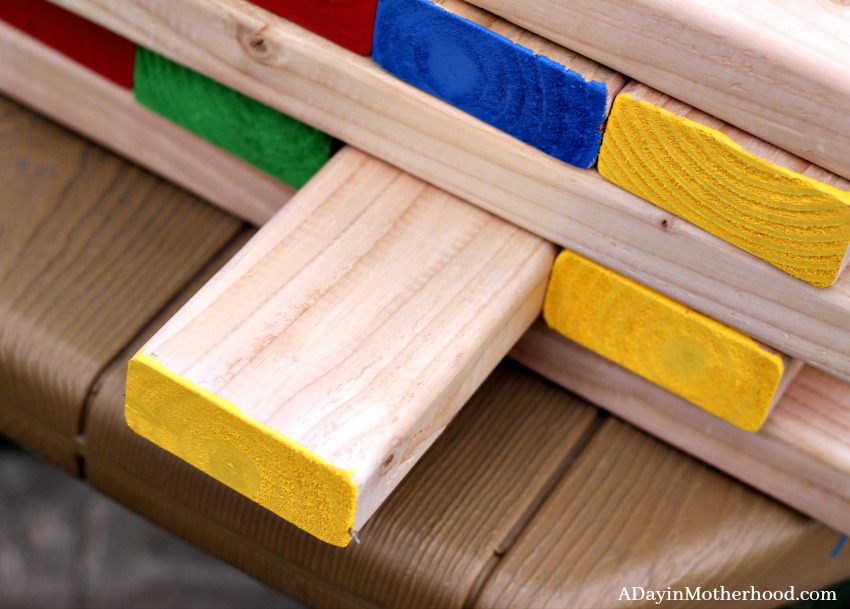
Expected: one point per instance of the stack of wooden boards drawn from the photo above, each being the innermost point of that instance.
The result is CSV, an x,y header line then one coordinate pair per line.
x,y
518,504
287,68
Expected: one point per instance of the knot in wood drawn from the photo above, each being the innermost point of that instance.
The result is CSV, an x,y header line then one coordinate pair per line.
x,y
258,46
666,223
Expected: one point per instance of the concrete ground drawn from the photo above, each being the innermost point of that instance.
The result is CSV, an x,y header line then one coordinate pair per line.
x,y
63,544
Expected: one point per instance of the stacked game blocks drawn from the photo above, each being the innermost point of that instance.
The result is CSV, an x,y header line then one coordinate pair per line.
x,y
724,321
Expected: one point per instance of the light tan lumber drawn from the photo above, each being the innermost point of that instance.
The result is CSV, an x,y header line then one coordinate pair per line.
x,y
348,96
801,456
41,77
776,68
315,369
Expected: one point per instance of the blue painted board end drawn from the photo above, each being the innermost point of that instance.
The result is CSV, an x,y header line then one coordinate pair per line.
x,y
529,96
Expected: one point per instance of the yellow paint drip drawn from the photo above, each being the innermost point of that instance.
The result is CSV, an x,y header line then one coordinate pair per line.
x,y
213,435
794,222
685,352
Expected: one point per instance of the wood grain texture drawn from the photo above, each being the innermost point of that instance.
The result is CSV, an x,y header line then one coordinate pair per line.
x,y
83,41
633,510
276,143
800,456
314,371
349,23
764,200
74,291
351,98
542,435
486,473
534,90
774,68
708,364
518,437
33,72
438,541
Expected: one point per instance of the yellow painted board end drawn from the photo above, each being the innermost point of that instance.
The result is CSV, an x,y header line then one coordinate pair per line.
x,y
213,435
699,359
796,223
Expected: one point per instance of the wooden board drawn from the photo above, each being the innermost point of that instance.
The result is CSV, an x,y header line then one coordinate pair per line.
x,y
487,493
315,369
83,41
349,23
766,201
537,91
488,476
632,515
109,114
693,356
776,68
353,99
87,249
428,544
489,473
268,139
801,456
481,497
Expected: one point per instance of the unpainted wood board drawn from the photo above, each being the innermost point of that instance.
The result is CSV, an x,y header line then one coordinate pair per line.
x,y
32,73
776,68
764,200
533,435
699,359
82,40
538,92
349,23
632,513
800,456
316,368
73,290
486,473
348,96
